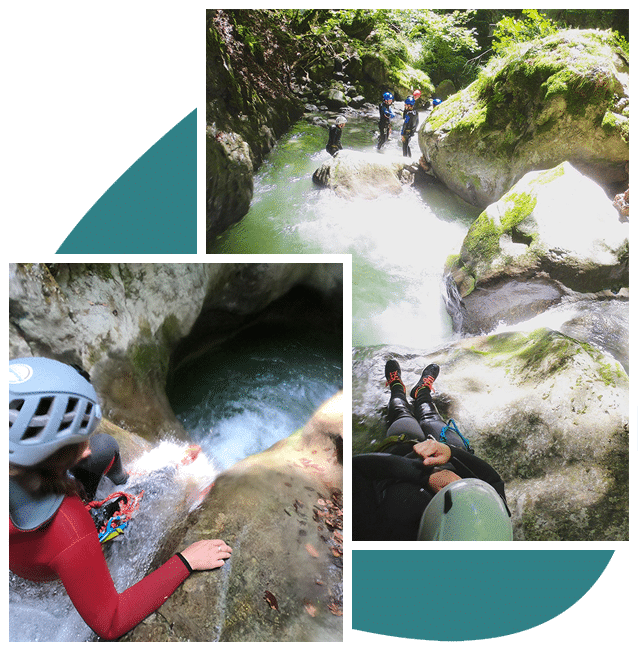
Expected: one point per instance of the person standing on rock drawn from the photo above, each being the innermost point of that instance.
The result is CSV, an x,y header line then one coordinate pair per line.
x,y
334,136
53,411
410,125
385,116
420,457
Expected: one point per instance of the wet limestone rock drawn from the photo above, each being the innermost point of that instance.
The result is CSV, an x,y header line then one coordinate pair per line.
x,y
554,232
564,97
249,106
549,413
356,175
229,180
280,511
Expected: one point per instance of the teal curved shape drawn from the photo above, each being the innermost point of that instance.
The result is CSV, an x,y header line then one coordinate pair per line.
x,y
152,207
462,595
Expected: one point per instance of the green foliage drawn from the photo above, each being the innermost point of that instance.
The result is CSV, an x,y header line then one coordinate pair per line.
x,y
509,31
441,41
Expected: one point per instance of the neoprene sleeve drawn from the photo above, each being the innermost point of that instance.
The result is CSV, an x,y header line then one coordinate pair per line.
x,y
69,548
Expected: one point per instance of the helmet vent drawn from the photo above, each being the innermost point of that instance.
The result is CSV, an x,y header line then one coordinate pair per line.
x,y
86,419
43,406
31,432
14,409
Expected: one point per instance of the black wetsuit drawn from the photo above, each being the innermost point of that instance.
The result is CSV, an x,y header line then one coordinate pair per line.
x,y
385,115
410,124
390,489
334,140
103,460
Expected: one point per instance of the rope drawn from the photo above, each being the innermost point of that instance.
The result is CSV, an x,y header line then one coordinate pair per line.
x,y
127,504
451,425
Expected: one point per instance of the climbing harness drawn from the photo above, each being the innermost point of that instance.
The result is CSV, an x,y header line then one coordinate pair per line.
x,y
113,514
391,441
451,426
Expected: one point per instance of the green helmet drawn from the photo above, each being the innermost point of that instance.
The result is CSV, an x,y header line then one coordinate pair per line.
x,y
467,509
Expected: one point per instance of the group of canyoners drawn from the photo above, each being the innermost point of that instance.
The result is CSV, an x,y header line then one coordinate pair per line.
x,y
386,115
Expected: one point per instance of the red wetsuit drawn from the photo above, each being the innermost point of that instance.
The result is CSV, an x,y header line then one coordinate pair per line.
x,y
68,548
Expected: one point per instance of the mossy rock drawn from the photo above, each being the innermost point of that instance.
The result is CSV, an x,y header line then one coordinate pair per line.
x,y
564,97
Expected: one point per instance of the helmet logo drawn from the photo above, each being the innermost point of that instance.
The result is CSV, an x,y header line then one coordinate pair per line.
x,y
19,373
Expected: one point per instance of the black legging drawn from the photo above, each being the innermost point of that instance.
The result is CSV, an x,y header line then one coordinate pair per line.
x,y
418,422
390,490
103,460
384,134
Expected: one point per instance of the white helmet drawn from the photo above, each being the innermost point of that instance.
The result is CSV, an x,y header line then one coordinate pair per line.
x,y
466,509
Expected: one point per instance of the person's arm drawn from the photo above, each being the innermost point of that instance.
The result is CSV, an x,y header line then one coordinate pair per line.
x,y
377,466
82,569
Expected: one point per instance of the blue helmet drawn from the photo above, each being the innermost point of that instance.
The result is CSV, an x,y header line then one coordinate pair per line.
x,y
409,101
50,406
388,96
436,101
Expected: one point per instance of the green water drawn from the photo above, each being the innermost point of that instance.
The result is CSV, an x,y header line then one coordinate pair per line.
x,y
398,244
257,389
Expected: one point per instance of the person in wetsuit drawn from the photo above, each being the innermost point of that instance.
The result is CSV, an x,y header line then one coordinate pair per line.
x,y
420,456
410,125
385,116
53,412
334,136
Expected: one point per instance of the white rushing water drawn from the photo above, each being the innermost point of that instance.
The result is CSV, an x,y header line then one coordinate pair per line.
x,y
399,243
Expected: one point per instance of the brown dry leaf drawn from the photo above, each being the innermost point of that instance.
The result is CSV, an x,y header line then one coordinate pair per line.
x,y
310,609
271,600
311,550
335,610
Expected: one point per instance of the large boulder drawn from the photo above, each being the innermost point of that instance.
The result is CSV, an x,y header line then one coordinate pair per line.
x,y
564,97
281,512
356,175
555,232
229,180
549,413
128,325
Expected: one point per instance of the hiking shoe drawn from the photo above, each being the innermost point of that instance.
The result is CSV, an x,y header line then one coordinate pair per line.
x,y
393,375
430,373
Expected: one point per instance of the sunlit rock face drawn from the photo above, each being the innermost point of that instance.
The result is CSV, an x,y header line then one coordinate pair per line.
x,y
549,413
281,512
564,97
355,175
555,233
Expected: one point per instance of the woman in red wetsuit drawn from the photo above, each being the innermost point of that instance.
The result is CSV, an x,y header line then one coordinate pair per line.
x,y
53,411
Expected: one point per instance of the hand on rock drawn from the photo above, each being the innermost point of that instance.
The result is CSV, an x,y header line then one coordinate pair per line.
x,y
207,554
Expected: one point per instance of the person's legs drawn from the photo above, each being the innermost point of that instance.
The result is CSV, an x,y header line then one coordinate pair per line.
x,y
425,411
406,147
384,133
400,417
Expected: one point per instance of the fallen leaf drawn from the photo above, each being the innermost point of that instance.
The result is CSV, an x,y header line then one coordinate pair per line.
x,y
310,609
335,610
312,551
271,600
